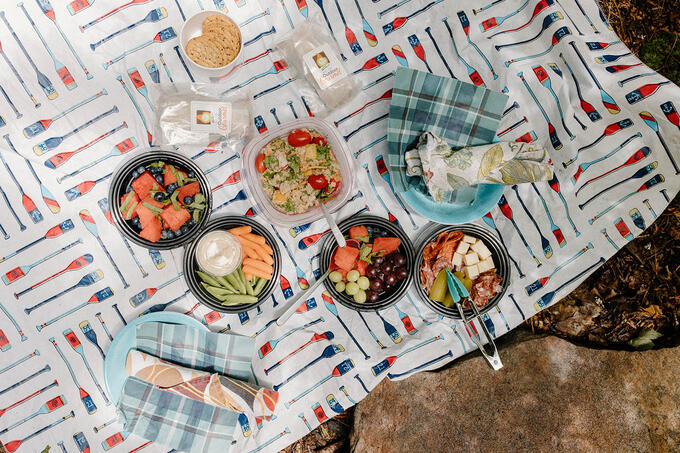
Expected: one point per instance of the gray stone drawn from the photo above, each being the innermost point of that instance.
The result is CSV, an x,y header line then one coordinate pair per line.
x,y
551,395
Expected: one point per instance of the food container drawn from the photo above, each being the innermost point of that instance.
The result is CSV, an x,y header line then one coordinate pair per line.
x,y
498,252
189,264
254,186
374,225
192,28
122,177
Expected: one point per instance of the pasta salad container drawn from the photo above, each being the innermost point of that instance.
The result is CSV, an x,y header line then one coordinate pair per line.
x,y
254,184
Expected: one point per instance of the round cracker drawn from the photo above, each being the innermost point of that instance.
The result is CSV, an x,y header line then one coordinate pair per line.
x,y
229,47
204,52
217,22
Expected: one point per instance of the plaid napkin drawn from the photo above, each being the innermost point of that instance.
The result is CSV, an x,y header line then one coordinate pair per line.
x,y
461,113
171,418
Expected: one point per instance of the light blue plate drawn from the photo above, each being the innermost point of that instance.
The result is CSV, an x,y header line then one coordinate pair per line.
x,y
471,204
116,356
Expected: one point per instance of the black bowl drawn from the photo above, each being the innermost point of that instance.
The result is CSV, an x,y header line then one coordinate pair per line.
x,y
122,179
379,226
498,253
189,265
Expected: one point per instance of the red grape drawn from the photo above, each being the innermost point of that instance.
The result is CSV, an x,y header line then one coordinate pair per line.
x,y
376,285
401,273
399,259
371,271
391,279
387,267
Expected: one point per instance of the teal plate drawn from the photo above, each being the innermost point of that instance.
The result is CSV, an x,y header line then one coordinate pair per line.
x,y
124,342
471,204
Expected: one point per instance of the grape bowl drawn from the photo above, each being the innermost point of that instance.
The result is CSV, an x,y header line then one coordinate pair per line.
x,y
374,270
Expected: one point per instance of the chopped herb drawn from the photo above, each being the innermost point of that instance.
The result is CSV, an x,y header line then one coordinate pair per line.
x,y
271,162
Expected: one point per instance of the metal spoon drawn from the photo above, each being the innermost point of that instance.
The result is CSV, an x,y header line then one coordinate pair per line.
x,y
295,302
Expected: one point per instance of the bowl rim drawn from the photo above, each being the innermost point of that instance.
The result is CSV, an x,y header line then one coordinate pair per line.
x,y
125,168
183,42
499,253
329,244
189,265
252,179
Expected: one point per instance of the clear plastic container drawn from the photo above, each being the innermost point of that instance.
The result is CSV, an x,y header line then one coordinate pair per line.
x,y
254,186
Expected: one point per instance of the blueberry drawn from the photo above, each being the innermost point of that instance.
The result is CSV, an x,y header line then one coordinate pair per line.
x,y
191,174
155,170
141,169
164,234
179,232
135,224
184,229
159,196
159,179
190,223
169,234
135,174
188,200
171,187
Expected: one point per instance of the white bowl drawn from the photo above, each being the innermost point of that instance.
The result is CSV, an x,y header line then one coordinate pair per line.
x,y
193,28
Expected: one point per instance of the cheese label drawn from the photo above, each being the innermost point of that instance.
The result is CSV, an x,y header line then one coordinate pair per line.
x,y
211,117
324,65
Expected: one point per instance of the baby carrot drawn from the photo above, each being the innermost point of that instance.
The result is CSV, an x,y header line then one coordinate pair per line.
x,y
255,238
258,265
256,272
245,229
261,249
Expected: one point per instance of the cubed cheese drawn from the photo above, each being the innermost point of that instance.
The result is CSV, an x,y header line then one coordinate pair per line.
x,y
457,260
472,271
481,250
469,239
471,258
486,265
462,247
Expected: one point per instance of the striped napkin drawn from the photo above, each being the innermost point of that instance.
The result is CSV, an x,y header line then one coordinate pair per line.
x,y
188,388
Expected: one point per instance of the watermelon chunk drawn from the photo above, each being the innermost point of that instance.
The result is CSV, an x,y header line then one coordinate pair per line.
x,y
386,245
144,184
359,233
361,266
345,257
168,176
188,190
152,231
128,205
175,219
146,216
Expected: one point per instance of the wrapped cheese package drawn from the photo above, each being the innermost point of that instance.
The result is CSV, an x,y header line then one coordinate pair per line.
x,y
195,114
310,50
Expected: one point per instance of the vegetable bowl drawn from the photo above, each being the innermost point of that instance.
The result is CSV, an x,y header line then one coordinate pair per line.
x,y
476,258
292,169
376,262
222,293
159,199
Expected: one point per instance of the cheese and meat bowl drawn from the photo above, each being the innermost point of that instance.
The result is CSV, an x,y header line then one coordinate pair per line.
x,y
476,258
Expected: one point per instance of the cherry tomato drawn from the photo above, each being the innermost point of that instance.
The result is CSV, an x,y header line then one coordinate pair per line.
x,y
334,188
259,163
299,138
317,181
319,141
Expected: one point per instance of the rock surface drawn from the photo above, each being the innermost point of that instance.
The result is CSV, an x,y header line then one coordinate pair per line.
x,y
551,395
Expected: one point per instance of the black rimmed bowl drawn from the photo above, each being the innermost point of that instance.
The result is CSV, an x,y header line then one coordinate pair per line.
x,y
120,184
498,252
190,266
376,226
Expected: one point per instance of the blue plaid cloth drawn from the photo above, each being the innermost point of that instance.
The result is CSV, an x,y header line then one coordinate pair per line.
x,y
175,420
227,355
461,113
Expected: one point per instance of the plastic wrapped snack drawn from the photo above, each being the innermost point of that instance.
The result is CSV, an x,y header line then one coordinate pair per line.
x,y
312,51
194,114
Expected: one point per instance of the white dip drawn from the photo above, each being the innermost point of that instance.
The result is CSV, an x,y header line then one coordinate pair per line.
x,y
218,253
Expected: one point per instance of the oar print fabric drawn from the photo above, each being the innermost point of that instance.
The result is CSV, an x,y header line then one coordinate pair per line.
x,y
551,73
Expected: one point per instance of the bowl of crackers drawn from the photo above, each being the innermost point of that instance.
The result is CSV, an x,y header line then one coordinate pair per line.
x,y
211,41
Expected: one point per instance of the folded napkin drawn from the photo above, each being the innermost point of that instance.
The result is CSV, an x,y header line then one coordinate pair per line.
x,y
460,113
445,169
188,388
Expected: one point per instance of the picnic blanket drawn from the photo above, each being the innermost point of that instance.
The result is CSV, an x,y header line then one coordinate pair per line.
x,y
610,127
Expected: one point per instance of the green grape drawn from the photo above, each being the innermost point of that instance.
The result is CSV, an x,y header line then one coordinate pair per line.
x,y
351,288
353,275
363,282
360,297
335,276
340,286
